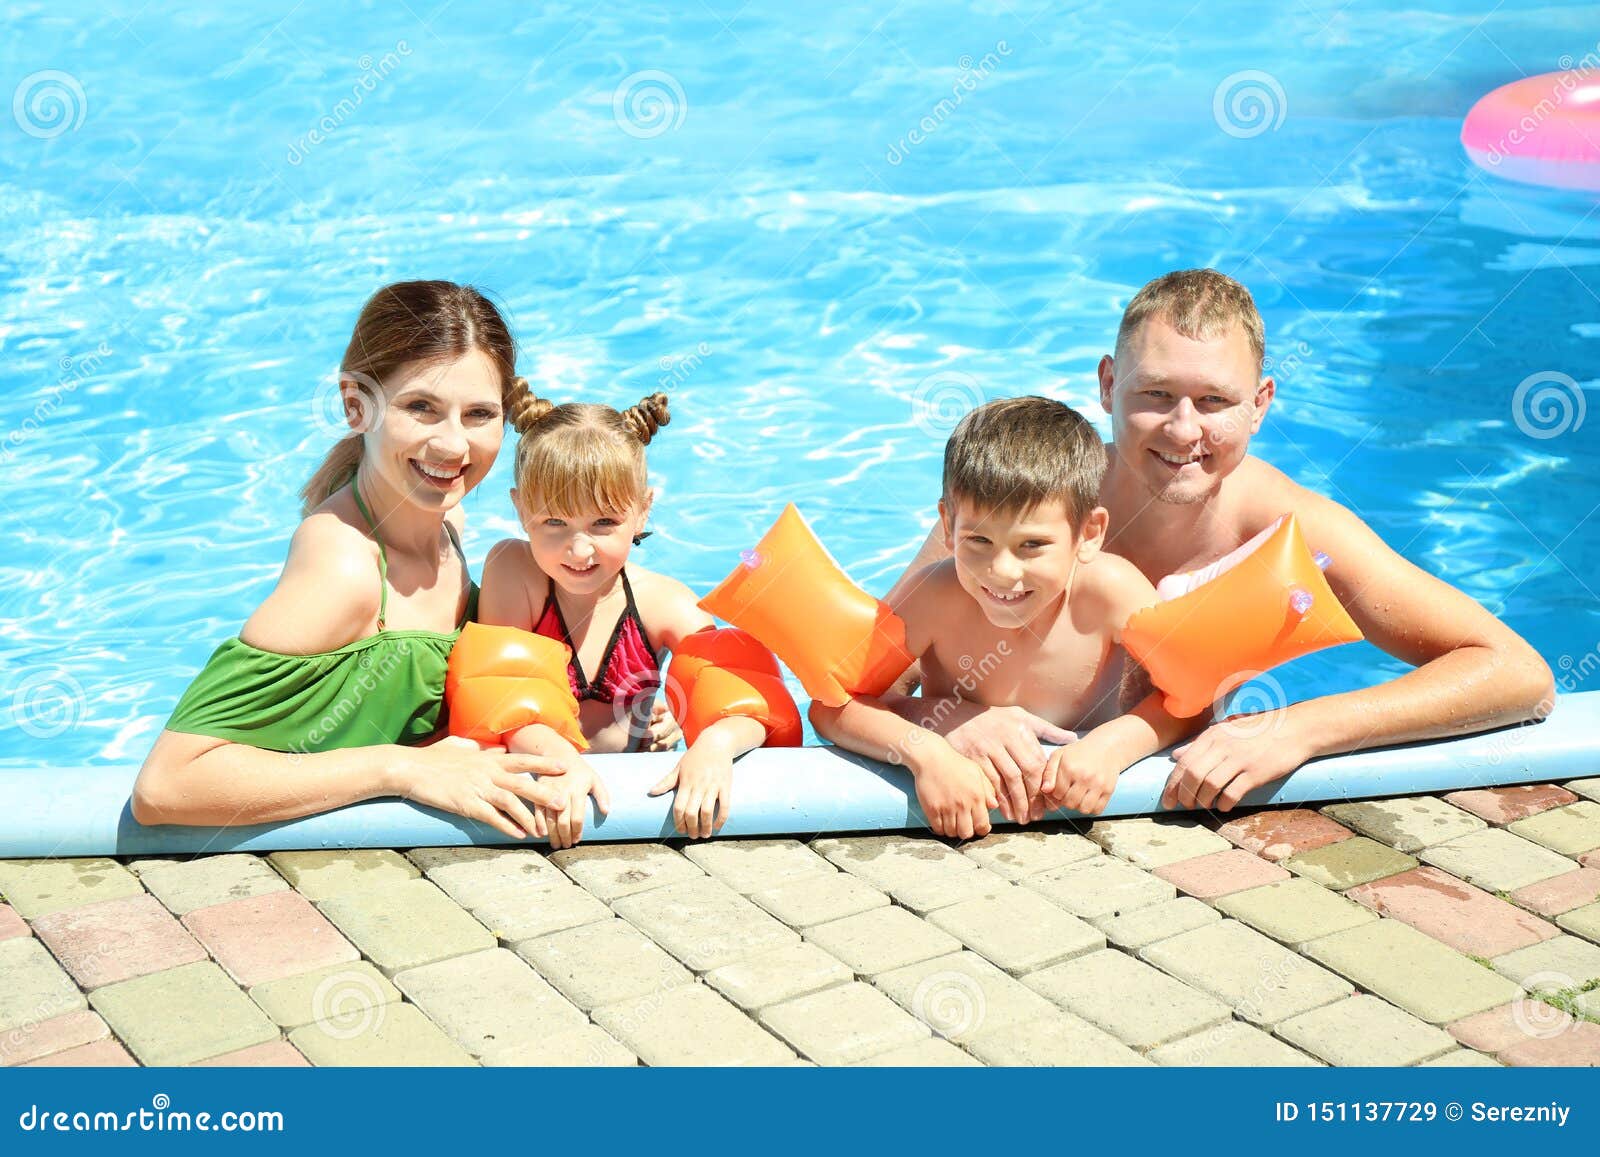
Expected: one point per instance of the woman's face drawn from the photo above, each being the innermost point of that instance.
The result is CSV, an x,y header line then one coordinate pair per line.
x,y
437,429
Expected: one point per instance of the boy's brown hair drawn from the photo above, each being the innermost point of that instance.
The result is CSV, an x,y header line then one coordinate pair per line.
x,y
1011,455
1199,303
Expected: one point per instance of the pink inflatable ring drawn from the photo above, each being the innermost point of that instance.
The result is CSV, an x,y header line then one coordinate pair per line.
x,y
1544,130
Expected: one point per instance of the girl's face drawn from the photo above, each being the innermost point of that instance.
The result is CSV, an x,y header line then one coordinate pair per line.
x,y
582,554
436,431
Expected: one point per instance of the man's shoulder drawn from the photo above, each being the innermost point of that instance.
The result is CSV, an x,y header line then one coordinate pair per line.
x,y
1269,493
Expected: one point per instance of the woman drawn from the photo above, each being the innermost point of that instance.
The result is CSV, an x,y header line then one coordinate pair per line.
x,y
333,691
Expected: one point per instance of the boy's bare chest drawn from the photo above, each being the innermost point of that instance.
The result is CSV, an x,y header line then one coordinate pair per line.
x,y
1063,677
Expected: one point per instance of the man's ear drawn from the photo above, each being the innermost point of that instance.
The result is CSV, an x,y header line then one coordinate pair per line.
x,y
1265,392
1108,379
1092,536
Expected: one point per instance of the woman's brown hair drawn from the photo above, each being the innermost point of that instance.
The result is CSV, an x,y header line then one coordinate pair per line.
x,y
581,456
406,324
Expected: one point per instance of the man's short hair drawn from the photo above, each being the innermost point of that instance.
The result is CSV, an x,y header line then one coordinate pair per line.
x,y
1201,304
1014,454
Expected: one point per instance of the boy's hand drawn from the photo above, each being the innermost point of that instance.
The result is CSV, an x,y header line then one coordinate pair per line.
x,y
577,783
704,779
1008,741
955,794
1076,777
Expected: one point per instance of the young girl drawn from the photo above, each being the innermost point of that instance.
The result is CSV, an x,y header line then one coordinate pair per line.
x,y
581,495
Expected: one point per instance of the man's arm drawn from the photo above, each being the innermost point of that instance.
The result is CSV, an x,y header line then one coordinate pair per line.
x,y
1472,672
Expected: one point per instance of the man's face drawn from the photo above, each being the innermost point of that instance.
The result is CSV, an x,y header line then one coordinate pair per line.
x,y
1183,410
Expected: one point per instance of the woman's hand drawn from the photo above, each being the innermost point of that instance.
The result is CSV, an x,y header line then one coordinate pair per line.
x,y
492,788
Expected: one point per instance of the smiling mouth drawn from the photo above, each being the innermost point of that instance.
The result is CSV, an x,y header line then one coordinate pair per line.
x,y
579,570
439,477
1179,461
1005,600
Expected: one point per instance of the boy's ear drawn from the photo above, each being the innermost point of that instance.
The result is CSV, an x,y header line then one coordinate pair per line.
x,y
949,529
1092,537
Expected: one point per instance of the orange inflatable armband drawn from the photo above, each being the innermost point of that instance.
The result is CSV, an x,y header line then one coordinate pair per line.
x,y
1270,603
790,594
500,679
719,672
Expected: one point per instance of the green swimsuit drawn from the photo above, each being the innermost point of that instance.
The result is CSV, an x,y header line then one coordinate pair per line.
x,y
386,688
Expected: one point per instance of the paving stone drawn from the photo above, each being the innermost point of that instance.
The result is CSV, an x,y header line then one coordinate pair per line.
x,y
101,1054
267,937
1583,922
610,871
690,1025
1416,972
1018,854
1019,930
843,1025
895,861
514,915
488,1000
1101,887
962,996
778,975
1059,1039
881,940
704,923
1590,859
1347,863
322,875
1262,981
345,995
277,1054
38,887
1508,1025
406,925
184,885
1406,824
755,865
35,989
943,889
480,877
1231,1043
1570,830
1462,1059
1221,873
1280,833
1581,1046
28,1042
818,899
1497,860
396,1036
1588,1005
1561,893
1139,1005
928,1053
11,924
1585,787
1365,1031
1154,842
1157,922
1468,919
181,1015
581,1046
1295,910
603,963
114,940
1504,805
1553,965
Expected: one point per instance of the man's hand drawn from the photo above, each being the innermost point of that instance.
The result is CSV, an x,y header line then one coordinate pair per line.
x,y
1215,769
1007,743
955,794
1079,778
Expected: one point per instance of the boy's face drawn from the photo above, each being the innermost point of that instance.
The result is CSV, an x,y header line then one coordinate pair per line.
x,y
1016,565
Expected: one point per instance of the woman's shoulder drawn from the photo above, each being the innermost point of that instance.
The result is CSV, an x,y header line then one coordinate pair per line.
x,y
329,591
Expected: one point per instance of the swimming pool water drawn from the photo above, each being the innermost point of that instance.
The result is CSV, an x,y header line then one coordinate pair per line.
x,y
828,231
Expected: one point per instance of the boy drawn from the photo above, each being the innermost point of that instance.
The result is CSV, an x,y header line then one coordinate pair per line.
x,y
1029,612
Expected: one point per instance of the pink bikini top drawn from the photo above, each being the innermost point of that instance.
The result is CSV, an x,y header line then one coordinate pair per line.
x,y
628,668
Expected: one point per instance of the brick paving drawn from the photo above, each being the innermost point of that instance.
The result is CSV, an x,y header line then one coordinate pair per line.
x,y
1461,929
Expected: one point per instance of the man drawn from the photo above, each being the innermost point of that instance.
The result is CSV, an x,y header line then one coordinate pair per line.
x,y
1185,393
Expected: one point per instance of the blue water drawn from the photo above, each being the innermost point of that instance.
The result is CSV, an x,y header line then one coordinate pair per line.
x,y
195,212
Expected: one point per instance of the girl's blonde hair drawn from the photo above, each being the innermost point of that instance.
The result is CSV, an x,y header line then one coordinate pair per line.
x,y
404,324
581,456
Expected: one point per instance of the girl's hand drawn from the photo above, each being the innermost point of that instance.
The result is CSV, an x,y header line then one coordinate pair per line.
x,y
495,789
664,732
704,779
578,781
